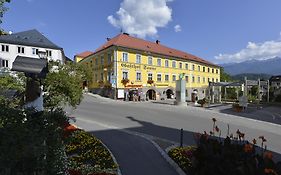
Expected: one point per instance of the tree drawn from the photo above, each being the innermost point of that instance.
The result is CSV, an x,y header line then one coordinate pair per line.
x,y
224,76
3,9
63,84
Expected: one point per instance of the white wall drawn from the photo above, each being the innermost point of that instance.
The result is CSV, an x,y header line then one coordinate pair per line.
x,y
13,53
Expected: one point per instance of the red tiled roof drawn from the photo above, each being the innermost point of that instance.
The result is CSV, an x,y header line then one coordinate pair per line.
x,y
84,54
128,41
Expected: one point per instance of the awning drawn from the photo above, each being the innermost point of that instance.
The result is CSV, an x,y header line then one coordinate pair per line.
x,y
29,66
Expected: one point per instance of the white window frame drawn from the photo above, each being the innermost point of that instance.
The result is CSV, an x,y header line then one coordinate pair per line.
x,y
180,65
149,77
198,79
174,77
125,56
138,78
149,60
166,63
174,64
138,58
159,77
167,79
186,78
126,73
159,62
186,66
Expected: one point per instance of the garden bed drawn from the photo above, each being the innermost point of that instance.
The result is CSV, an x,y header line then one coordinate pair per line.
x,y
87,155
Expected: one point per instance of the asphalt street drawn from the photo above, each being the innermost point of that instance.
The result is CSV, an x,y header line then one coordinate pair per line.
x,y
107,119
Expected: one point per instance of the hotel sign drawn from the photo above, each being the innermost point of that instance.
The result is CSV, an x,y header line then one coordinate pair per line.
x,y
136,66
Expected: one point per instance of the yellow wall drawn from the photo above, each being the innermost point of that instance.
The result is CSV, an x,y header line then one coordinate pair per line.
x,y
132,67
77,59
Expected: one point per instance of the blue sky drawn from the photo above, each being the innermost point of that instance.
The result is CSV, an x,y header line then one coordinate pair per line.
x,y
219,31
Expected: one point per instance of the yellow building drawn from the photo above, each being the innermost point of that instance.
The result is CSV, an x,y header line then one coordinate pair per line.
x,y
137,61
81,56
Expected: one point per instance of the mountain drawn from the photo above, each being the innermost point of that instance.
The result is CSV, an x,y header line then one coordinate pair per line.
x,y
270,66
251,76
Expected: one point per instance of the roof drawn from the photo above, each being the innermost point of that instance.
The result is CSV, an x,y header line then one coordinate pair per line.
x,y
30,65
84,54
275,78
29,38
125,40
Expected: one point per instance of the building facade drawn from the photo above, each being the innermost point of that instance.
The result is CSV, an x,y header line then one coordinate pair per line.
x,y
150,70
81,56
27,44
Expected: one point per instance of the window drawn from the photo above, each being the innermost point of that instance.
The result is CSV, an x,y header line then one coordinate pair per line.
x,y
186,78
167,77
174,77
198,80
174,64
101,60
217,80
125,57
138,59
21,50
5,48
208,69
204,80
212,70
159,62
186,66
34,51
101,76
193,67
124,75
193,79
217,71
149,61
149,76
213,80
96,77
138,76
166,63
49,53
109,58
4,63
97,61
208,80
159,78
203,69
198,68
180,65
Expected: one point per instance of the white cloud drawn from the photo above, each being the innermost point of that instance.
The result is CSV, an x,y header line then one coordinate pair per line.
x,y
142,17
259,51
177,28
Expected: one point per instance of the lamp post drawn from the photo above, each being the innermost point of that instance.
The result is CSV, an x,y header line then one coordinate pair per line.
x,y
34,88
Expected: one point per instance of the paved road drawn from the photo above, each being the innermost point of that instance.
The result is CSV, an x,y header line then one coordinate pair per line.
x,y
162,121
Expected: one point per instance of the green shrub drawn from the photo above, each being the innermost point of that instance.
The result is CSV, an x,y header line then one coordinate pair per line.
x,y
31,142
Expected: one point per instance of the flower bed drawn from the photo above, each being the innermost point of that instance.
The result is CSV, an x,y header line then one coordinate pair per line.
x,y
87,155
231,156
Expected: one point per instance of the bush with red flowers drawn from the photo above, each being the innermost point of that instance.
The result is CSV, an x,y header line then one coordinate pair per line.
x,y
232,156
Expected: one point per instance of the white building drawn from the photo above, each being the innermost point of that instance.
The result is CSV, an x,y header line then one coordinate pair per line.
x,y
27,44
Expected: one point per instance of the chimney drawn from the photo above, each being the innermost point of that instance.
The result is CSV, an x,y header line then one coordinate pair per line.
x,y
108,39
126,33
10,32
157,42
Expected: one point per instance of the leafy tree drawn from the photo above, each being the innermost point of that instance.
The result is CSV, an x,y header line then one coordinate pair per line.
x,y
224,76
63,85
3,9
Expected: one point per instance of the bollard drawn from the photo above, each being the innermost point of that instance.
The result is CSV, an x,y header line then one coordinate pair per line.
x,y
181,137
